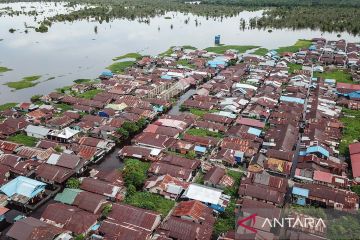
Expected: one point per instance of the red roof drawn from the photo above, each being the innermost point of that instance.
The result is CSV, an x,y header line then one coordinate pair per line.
x,y
250,122
349,86
355,164
323,176
354,148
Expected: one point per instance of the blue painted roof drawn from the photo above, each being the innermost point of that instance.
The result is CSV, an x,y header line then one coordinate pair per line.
x,y
292,99
200,149
107,73
354,95
24,186
254,131
318,149
166,77
300,191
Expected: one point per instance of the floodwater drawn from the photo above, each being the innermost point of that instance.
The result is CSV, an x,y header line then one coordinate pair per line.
x,y
111,161
73,50
175,110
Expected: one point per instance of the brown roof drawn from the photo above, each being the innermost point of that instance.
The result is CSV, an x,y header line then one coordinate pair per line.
x,y
122,231
181,229
71,218
98,186
154,140
194,209
214,175
160,168
53,173
282,155
90,202
181,161
145,219
33,229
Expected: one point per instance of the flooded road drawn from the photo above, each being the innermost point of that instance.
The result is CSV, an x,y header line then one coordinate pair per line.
x,y
175,110
110,161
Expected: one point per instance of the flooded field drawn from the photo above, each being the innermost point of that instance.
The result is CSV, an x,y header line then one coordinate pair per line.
x,y
83,49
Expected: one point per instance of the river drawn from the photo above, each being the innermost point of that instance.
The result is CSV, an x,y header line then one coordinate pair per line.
x,y
73,50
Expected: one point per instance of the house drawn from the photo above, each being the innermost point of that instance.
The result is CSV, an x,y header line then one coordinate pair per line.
x,y
166,185
212,197
216,177
153,140
37,131
65,135
53,174
69,218
194,211
23,190
125,216
32,228
354,150
142,153
97,186
161,168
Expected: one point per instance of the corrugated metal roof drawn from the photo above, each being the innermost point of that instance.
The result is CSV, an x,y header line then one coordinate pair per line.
x,y
68,195
300,191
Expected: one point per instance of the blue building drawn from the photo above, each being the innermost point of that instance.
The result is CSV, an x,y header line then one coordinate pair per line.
x,y
300,195
217,39
22,189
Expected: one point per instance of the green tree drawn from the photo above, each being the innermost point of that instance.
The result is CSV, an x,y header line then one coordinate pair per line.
x,y
106,210
141,123
131,127
36,98
133,176
131,189
191,154
73,183
124,133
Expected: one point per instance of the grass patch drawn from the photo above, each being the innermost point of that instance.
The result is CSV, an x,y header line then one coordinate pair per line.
x,y
339,75
293,67
185,63
136,56
26,82
90,94
4,69
23,139
63,89
7,106
226,220
119,67
199,179
82,80
301,43
189,47
223,48
261,51
63,107
150,201
166,53
351,130
199,112
204,133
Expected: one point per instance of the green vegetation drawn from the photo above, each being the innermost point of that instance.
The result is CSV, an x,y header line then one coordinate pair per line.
x,y
261,51
185,63
106,210
309,210
294,67
73,183
280,3
119,67
36,98
323,18
63,89
344,227
63,107
223,48
166,53
82,80
26,82
226,220
150,201
90,94
135,172
198,112
301,43
136,56
204,133
23,139
233,190
199,178
7,106
338,74
189,47
356,189
4,69
351,130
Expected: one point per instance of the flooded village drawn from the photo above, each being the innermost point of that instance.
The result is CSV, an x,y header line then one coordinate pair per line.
x,y
189,144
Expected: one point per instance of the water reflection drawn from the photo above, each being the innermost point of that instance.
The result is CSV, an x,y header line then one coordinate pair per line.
x,y
75,50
